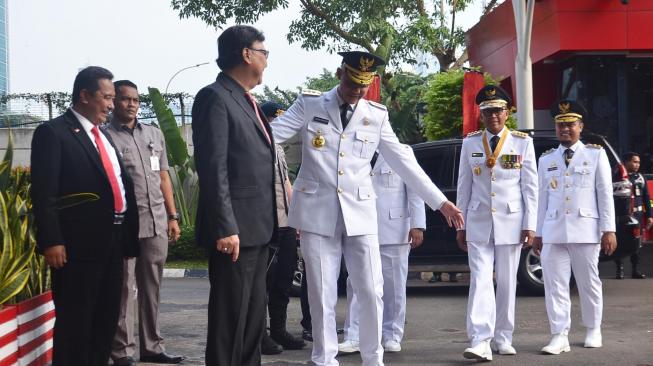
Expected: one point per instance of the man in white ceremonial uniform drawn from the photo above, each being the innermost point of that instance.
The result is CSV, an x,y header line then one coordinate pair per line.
x,y
497,192
575,214
401,218
334,203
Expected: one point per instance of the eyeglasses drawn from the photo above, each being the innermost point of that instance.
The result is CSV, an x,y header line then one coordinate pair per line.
x,y
265,53
491,111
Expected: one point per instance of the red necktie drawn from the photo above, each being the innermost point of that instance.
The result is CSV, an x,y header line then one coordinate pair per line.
x,y
108,168
258,116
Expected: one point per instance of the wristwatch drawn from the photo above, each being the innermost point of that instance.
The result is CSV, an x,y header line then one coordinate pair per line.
x,y
174,216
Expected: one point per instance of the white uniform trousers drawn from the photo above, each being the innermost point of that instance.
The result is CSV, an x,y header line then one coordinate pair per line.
x,y
558,261
489,317
322,256
394,262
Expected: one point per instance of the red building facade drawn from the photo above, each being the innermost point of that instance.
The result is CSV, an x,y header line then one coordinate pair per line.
x,y
599,52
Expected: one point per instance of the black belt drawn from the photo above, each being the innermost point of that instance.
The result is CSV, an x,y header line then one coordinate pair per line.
x,y
118,219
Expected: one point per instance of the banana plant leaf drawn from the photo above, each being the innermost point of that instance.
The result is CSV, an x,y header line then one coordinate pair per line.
x,y
175,144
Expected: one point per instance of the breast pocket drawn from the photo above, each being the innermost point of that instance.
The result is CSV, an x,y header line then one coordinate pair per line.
x,y
128,157
582,176
365,143
389,178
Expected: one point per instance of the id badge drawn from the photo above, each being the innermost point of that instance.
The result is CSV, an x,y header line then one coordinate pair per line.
x,y
154,163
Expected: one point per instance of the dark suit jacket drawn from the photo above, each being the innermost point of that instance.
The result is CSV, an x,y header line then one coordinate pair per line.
x,y
65,161
235,166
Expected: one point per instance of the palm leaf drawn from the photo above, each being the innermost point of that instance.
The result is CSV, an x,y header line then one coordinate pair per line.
x,y
175,144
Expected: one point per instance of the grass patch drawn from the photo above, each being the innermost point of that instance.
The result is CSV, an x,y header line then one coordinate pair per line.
x,y
188,264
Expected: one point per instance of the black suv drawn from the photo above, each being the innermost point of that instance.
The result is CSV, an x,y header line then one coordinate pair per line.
x,y
439,252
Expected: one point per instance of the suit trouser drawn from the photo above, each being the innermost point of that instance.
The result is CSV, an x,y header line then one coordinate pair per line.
x,y
306,321
394,264
280,276
142,282
558,261
86,297
490,317
236,307
322,255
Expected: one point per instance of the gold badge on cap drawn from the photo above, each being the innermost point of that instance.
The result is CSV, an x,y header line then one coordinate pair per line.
x,y
564,107
319,141
490,93
366,63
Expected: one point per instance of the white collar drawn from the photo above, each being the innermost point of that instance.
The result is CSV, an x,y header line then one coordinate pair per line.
x,y
86,124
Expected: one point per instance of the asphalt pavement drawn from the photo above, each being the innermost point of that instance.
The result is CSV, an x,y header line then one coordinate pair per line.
x,y
435,329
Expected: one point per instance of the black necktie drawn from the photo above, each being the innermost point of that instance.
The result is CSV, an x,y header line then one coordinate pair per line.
x,y
493,142
343,115
569,153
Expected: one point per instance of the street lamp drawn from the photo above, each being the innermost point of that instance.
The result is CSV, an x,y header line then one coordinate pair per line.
x,y
177,73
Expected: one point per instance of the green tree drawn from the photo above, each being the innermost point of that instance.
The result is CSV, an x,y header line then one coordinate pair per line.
x,y
444,117
403,96
323,82
396,30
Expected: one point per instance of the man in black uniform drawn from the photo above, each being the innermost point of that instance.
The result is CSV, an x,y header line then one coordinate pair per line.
x,y
283,255
642,210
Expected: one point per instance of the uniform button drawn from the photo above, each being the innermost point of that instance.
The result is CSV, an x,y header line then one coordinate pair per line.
x,y
566,174
342,154
493,194
567,198
302,189
339,190
567,186
342,137
568,211
494,209
493,179
372,174
390,172
340,172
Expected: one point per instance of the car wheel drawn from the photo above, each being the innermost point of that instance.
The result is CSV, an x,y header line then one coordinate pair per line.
x,y
529,273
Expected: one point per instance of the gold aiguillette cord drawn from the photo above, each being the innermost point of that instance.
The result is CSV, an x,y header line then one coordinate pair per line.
x,y
491,157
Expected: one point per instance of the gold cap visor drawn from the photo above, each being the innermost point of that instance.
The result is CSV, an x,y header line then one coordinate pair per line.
x,y
494,103
359,77
568,117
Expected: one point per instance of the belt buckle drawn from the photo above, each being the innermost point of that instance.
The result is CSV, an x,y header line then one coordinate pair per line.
x,y
118,219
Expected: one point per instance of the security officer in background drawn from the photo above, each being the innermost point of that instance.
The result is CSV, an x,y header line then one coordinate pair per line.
x,y
643,209
575,220
334,203
497,191
402,220
283,255
143,150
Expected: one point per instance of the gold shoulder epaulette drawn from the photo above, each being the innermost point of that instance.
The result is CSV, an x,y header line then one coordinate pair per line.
x,y
548,151
311,92
519,134
594,146
377,105
474,133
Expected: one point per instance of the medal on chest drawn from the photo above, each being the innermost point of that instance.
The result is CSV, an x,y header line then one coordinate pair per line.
x,y
319,141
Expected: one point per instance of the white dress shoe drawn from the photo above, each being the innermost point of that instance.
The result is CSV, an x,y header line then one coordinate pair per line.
x,y
348,347
503,349
593,338
392,346
559,343
480,352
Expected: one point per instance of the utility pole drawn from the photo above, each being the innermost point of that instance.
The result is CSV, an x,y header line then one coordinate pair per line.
x,y
523,10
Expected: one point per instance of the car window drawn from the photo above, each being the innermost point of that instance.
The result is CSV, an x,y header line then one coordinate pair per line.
x,y
438,163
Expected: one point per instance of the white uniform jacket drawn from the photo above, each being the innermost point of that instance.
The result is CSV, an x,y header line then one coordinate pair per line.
x,y
505,201
335,175
576,203
398,209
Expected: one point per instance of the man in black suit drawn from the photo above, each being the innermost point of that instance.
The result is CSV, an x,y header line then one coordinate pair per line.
x,y
85,243
234,156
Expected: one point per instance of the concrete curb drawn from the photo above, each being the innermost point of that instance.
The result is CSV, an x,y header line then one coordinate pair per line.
x,y
185,273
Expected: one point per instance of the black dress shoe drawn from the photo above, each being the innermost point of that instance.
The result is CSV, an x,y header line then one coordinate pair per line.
x,y
307,335
269,346
638,275
287,340
124,361
620,273
163,358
